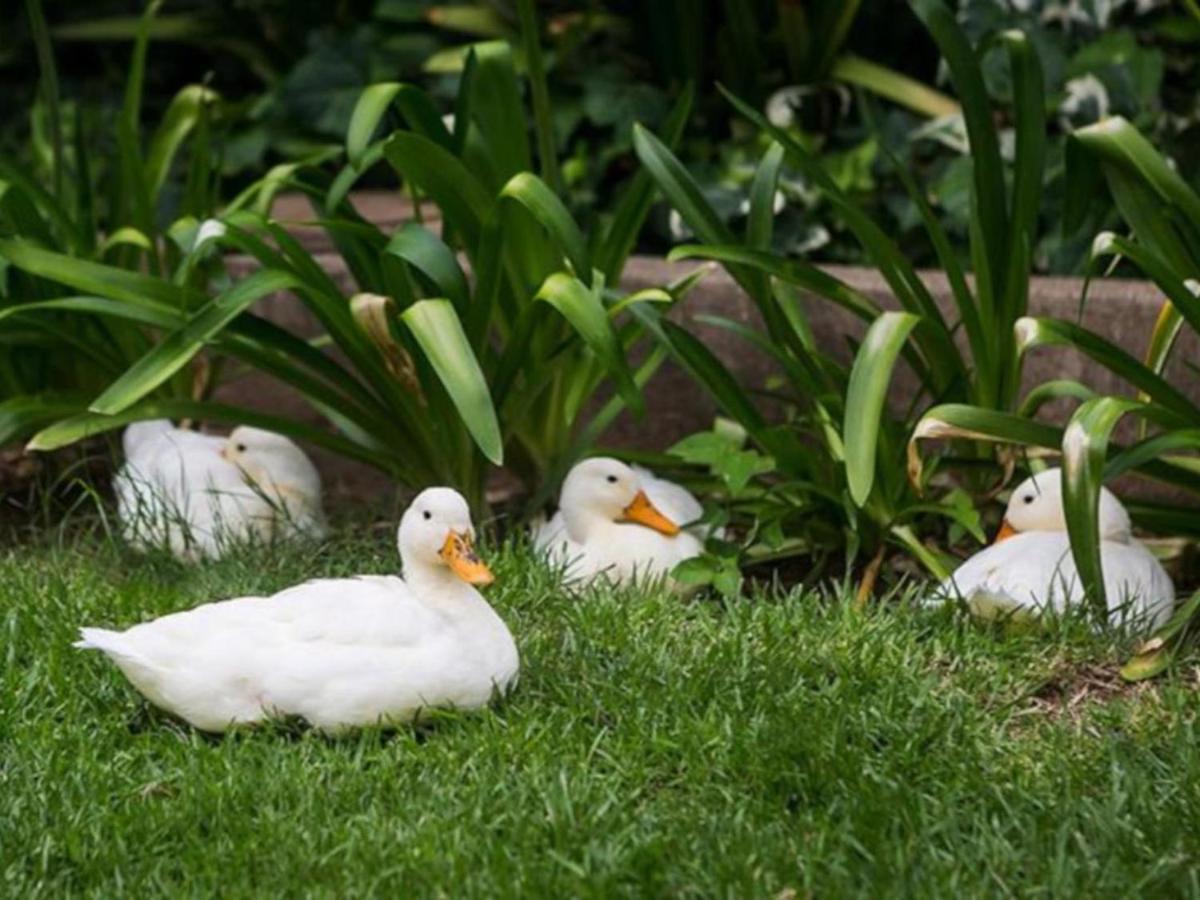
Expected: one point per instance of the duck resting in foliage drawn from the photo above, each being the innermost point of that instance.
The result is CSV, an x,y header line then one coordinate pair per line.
x,y
1029,569
197,494
620,523
339,652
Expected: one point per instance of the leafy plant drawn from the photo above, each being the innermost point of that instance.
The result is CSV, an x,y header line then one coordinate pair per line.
x,y
437,376
841,447
1163,213
96,213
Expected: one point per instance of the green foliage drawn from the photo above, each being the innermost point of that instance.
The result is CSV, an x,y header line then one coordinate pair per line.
x,y
841,447
105,219
1162,212
437,377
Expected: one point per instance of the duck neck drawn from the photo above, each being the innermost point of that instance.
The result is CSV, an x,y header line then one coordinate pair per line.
x,y
439,587
583,524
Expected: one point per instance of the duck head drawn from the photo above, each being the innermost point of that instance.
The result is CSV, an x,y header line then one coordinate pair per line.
x,y
271,460
436,537
1037,505
605,490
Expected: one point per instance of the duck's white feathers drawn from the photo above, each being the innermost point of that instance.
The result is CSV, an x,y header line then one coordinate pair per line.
x,y
176,491
1035,572
337,653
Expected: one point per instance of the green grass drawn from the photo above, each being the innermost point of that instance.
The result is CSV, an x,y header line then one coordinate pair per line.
x,y
654,747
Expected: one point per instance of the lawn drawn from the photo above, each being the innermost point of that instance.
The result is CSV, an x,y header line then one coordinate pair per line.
x,y
779,744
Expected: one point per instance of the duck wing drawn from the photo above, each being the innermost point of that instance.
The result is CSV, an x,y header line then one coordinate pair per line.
x,y
1138,589
1032,572
245,659
1035,571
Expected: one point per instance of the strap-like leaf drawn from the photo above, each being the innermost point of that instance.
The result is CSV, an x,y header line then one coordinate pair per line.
x,y
438,331
182,115
96,278
960,421
423,250
580,306
464,202
178,348
869,380
1039,332
1085,446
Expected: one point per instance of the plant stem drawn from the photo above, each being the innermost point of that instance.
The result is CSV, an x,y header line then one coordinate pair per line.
x,y
45,55
867,586
542,117
929,560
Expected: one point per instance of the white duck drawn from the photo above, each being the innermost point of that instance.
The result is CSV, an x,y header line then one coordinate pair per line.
x,y
338,653
198,494
619,522
1030,568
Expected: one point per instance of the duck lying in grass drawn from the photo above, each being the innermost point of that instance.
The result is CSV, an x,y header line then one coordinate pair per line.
x,y
620,523
338,652
197,494
1029,569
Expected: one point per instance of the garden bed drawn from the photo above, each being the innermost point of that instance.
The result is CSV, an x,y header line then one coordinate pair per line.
x,y
1121,310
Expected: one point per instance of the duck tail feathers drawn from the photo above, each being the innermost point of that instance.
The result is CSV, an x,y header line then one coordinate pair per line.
x,y
100,639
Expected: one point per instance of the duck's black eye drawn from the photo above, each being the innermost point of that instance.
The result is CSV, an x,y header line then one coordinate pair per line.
x,y
241,448
427,514
612,479
1028,498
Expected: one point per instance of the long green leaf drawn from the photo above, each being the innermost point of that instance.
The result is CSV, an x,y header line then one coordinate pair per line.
x,y
421,249
932,333
1085,446
95,278
680,188
580,306
438,331
543,116
178,348
497,109
464,202
870,378
369,111
22,416
1039,332
182,116
793,271
532,193
637,198
1107,245
961,421
986,164
159,317
1029,106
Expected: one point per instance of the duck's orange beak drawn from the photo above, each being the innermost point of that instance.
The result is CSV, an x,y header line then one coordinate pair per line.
x,y
643,512
459,554
1006,531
